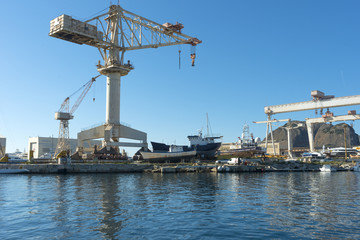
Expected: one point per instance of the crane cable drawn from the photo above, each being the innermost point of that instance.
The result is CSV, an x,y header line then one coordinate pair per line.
x,y
193,54
71,95
83,94
94,91
179,58
84,86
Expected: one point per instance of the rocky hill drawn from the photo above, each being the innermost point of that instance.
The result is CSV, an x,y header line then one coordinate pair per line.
x,y
325,134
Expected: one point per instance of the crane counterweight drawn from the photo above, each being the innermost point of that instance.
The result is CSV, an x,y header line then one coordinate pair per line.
x,y
63,116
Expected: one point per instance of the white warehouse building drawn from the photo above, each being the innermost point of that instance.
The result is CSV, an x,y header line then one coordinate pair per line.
x,y
44,147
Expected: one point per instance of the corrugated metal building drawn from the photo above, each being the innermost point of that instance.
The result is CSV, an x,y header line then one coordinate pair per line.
x,y
44,147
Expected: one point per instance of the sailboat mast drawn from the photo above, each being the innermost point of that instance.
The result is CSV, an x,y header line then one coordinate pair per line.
x,y
207,124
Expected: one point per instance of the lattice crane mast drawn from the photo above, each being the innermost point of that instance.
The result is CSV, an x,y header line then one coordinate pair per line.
x,y
113,33
64,115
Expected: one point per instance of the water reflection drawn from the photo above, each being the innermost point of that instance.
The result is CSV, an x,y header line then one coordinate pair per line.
x,y
112,212
189,205
311,201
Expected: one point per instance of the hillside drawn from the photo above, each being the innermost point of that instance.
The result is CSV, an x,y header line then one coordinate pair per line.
x,y
325,134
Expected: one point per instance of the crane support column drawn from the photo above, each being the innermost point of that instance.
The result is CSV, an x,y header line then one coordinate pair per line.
x,y
311,121
113,98
310,136
269,125
289,140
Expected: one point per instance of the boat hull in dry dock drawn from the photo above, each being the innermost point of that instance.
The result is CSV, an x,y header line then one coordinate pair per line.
x,y
167,155
207,150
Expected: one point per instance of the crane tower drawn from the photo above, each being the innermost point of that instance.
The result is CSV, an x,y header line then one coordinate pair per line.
x,y
113,33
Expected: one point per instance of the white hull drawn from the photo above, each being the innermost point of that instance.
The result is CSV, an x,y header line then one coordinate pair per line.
x,y
11,171
327,168
160,155
356,168
17,160
340,152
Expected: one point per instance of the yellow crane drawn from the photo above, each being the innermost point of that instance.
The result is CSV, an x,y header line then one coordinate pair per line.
x,y
64,115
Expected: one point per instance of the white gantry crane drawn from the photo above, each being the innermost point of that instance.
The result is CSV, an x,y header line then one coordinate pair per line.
x,y
327,118
113,33
64,115
319,102
269,127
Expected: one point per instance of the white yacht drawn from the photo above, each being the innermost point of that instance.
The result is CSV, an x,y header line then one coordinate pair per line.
x,y
12,159
340,152
15,158
314,155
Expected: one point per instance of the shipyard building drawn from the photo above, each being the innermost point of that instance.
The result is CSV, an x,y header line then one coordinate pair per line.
x,y
44,147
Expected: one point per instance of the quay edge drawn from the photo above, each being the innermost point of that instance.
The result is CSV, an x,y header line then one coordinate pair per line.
x,y
80,168
161,168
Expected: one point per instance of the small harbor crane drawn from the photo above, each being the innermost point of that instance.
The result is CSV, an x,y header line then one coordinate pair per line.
x,y
64,115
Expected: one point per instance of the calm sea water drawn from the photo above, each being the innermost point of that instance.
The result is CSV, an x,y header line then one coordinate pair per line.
x,y
181,206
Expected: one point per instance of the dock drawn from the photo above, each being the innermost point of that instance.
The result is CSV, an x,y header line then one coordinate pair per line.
x,y
79,168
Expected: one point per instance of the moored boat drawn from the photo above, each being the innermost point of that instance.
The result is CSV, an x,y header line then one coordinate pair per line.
x,y
15,159
205,147
341,152
313,155
8,158
327,168
174,152
170,155
246,146
356,168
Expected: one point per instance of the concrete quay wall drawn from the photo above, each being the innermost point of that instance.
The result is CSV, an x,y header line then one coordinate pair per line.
x,y
80,168
133,168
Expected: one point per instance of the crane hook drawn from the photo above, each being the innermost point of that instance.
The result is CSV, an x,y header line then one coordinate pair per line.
x,y
193,56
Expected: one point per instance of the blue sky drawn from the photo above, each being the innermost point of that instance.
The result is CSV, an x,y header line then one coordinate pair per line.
x,y
254,54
